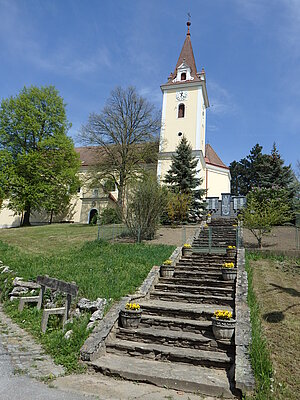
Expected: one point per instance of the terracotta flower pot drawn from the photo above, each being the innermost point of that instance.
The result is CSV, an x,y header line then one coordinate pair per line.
x,y
229,274
223,328
167,271
130,318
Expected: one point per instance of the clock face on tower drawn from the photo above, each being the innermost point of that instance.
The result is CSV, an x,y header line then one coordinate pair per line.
x,y
181,95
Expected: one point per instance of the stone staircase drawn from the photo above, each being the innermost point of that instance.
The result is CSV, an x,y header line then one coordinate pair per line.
x,y
219,233
174,345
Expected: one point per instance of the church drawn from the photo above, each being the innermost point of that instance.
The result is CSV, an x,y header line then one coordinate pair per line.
x,y
184,105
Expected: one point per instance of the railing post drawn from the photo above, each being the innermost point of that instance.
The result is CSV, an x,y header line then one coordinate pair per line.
x,y
183,235
209,239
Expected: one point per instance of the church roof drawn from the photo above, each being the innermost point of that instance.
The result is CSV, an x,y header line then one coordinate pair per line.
x,y
89,155
211,157
186,57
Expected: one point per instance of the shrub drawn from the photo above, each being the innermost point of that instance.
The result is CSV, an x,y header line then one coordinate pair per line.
x,y
110,216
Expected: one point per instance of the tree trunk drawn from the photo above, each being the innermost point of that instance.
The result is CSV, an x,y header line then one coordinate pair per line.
x,y
26,218
51,217
259,240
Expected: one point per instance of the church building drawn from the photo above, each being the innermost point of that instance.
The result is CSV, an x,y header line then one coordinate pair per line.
x,y
185,101
184,105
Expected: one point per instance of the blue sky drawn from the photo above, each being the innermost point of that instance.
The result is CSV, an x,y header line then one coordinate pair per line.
x,y
250,50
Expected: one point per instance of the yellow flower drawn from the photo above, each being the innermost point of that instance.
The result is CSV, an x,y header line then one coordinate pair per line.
x,y
167,262
231,247
223,314
187,246
228,265
132,306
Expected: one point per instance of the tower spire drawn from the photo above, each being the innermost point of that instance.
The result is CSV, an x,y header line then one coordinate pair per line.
x,y
189,23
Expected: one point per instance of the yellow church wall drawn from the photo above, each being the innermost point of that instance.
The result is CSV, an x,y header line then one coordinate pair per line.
x,y
7,217
218,181
172,125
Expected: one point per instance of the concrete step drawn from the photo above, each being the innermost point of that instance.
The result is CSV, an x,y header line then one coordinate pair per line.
x,y
199,282
160,352
189,378
174,309
176,338
175,324
187,289
192,298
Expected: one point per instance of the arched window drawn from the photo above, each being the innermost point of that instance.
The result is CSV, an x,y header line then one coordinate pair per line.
x,y
183,76
181,110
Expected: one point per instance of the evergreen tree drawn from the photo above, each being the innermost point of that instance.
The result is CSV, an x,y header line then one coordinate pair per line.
x,y
260,170
181,177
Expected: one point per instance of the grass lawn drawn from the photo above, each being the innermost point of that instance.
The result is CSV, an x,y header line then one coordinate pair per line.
x,y
276,285
99,268
55,238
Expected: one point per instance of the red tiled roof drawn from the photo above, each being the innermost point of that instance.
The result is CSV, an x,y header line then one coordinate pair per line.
x,y
211,157
187,56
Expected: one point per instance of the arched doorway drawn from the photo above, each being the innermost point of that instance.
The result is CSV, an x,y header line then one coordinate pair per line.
x,y
92,214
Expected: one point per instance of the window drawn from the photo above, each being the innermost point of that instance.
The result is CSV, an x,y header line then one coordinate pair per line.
x,y
183,76
95,193
181,110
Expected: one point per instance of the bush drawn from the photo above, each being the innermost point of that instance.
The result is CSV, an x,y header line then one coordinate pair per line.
x,y
144,209
110,216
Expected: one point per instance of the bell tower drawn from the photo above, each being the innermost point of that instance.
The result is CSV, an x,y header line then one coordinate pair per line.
x,y
184,107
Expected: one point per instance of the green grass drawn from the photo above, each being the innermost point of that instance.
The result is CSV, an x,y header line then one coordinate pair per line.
x,y
56,238
259,353
100,269
273,340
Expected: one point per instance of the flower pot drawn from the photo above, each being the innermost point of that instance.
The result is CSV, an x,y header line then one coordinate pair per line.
x,y
130,318
223,328
229,274
167,271
187,251
231,253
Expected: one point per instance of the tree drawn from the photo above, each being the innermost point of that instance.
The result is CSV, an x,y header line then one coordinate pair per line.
x,y
146,202
265,208
39,157
260,170
126,131
181,177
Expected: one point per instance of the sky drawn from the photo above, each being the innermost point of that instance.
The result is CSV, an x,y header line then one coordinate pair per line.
x,y
250,50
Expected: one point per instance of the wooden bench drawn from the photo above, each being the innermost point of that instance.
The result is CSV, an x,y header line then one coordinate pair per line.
x,y
66,288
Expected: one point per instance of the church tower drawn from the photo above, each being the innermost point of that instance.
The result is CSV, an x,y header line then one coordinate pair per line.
x,y
184,107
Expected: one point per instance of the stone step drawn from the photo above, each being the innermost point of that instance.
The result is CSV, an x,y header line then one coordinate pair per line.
x,y
190,289
192,298
160,352
189,378
176,338
181,273
175,324
196,268
174,309
199,282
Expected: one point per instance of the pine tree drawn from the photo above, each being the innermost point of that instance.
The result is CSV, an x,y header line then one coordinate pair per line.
x,y
181,177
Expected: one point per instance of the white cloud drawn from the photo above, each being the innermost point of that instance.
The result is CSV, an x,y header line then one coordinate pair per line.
x,y
22,41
